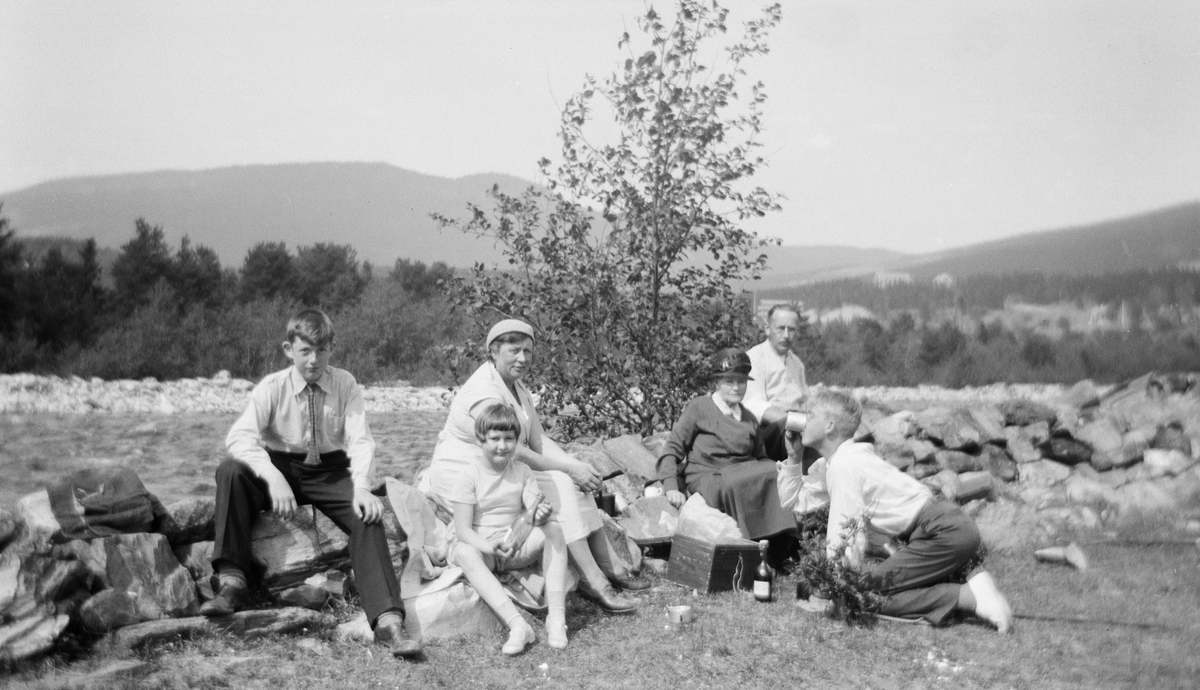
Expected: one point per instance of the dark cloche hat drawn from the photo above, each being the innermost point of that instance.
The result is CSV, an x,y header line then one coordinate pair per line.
x,y
731,360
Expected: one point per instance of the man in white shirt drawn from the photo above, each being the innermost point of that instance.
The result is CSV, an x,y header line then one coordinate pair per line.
x,y
777,386
304,439
868,493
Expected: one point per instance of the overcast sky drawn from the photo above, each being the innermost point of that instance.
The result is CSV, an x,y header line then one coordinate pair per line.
x,y
912,125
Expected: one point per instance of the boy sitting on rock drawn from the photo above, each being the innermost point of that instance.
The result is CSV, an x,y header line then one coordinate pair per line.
x,y
303,439
936,537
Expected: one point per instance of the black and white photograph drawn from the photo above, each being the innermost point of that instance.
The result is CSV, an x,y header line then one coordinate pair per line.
x,y
599,344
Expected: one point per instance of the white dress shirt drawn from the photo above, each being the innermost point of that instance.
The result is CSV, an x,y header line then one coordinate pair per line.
x,y
277,417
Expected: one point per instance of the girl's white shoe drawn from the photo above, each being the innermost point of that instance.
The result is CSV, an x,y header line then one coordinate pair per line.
x,y
519,638
556,634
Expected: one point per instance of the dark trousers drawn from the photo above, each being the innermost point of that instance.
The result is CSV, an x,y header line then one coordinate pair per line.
x,y
242,495
916,580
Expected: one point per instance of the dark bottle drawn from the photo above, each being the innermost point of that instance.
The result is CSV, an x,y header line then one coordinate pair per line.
x,y
764,577
520,529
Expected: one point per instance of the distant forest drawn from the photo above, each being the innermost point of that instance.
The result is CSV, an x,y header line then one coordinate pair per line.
x,y
172,313
175,312
1149,289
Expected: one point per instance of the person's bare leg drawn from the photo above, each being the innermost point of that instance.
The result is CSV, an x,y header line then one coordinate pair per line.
x,y
554,568
492,592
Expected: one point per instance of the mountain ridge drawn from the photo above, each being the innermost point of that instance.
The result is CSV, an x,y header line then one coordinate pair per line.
x,y
383,211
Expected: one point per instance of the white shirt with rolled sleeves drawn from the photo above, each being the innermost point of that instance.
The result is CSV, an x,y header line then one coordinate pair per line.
x,y
777,381
863,485
277,417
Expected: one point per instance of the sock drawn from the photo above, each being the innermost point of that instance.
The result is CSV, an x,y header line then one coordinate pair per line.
x,y
516,621
229,575
557,602
389,617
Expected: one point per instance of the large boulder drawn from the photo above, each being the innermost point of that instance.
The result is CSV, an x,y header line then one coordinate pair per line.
x,y
197,559
650,520
628,453
628,489
1084,490
1020,445
290,551
922,449
988,420
145,566
1166,462
953,429
38,595
111,609
190,520
1023,412
1044,473
1146,497
957,461
10,527
1066,450
997,461
620,549
898,454
1168,436
1082,394
1106,440
894,428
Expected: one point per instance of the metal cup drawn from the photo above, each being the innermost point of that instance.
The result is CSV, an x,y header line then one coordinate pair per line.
x,y
680,615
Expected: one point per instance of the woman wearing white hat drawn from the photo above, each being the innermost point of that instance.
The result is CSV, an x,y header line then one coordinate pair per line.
x,y
562,478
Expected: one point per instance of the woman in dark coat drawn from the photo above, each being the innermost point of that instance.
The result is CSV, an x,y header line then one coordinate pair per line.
x,y
717,444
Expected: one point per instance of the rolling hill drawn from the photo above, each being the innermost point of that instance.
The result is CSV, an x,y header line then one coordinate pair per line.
x,y
383,211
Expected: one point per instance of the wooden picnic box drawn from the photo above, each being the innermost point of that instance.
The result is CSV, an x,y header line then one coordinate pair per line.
x,y
709,568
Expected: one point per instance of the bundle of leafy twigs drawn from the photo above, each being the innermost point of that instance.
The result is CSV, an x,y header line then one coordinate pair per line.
x,y
851,598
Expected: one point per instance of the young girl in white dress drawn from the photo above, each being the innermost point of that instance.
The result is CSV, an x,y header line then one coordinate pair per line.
x,y
487,498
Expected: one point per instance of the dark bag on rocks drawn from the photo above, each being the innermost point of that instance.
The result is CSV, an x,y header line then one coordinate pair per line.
x,y
101,503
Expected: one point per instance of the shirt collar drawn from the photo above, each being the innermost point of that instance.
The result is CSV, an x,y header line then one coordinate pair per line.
x,y
299,385
734,410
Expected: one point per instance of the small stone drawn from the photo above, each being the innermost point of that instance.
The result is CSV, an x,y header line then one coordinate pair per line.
x,y
1070,555
309,645
306,596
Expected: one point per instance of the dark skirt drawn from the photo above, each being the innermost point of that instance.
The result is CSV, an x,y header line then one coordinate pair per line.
x,y
747,492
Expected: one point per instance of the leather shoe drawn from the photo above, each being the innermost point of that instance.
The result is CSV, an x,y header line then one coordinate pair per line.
x,y
394,635
631,582
607,598
230,599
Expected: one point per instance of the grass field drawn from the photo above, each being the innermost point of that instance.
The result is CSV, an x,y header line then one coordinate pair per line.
x,y
735,642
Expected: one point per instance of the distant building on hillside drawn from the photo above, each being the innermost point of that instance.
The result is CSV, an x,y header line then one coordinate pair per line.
x,y
848,313
1193,265
944,280
884,279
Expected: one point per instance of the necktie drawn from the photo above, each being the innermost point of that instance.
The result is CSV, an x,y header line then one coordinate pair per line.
x,y
314,450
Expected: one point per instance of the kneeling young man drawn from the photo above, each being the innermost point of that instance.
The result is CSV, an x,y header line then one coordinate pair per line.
x,y
937,537
303,439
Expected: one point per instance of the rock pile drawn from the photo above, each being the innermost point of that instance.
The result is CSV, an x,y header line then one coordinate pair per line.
x,y
26,393
1050,459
